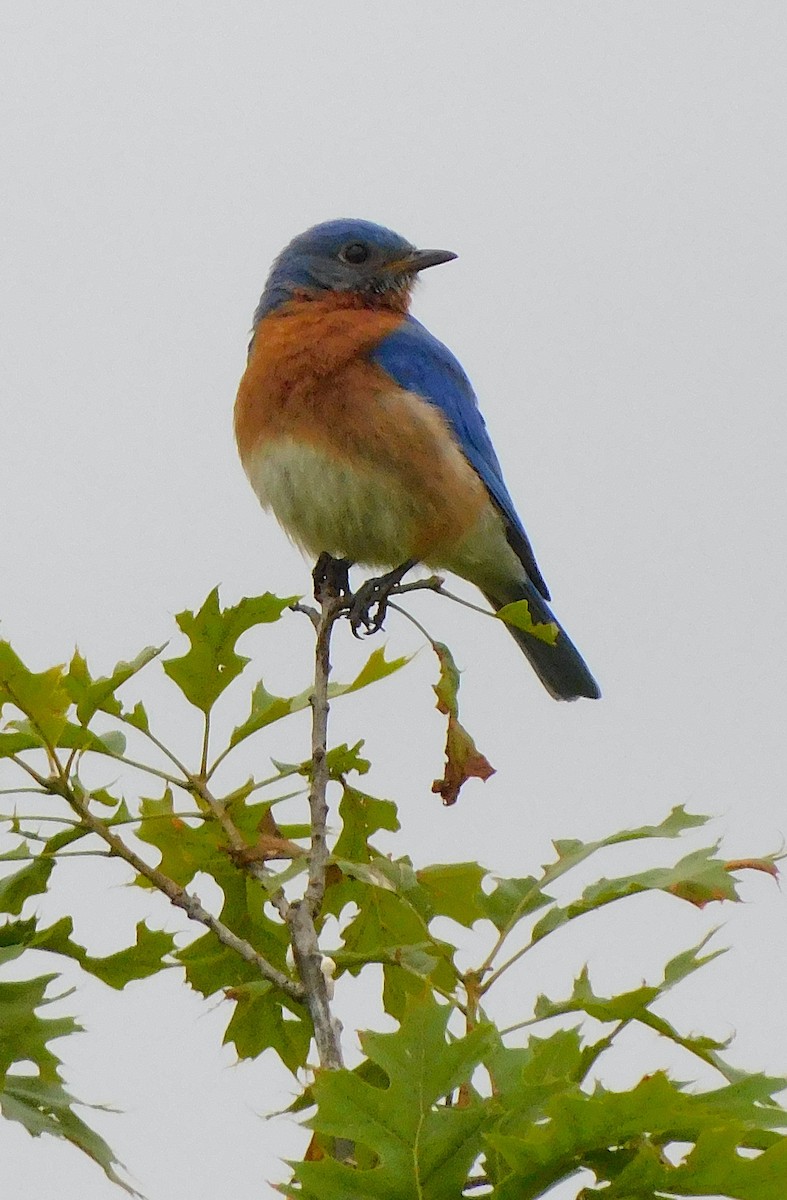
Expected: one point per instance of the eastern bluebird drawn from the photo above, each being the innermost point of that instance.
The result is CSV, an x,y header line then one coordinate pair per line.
x,y
363,434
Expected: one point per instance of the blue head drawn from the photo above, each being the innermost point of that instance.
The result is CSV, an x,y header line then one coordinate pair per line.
x,y
350,256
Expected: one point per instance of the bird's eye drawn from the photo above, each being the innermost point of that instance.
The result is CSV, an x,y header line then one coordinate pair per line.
x,y
355,253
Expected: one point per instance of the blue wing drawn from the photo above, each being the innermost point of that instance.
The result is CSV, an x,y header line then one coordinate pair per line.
x,y
417,361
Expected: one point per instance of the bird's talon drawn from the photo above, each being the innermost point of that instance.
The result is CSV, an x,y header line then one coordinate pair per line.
x,y
362,623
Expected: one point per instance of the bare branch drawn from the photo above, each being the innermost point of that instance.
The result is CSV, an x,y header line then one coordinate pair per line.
x,y
331,609
309,959
310,963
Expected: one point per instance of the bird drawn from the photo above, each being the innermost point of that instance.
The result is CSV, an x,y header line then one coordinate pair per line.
x,y
361,432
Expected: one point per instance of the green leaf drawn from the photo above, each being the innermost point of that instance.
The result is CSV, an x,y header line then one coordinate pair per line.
x,y
32,880
571,852
418,1145
39,1102
343,759
384,921
525,1078
267,708
370,873
391,927
340,759
636,1006
511,900
614,1132
715,1167
48,1108
212,663
212,967
91,695
514,899
41,697
140,961
184,849
259,1023
453,890
138,717
518,614
361,817
699,878
376,667
15,743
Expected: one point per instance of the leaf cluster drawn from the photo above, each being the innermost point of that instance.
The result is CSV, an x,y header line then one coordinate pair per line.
x,y
448,1102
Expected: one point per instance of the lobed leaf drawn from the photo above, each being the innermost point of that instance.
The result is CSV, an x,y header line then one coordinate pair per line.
x,y
511,900
30,881
41,696
93,695
614,1133
261,1022
39,1102
267,708
453,890
211,663
698,878
415,1145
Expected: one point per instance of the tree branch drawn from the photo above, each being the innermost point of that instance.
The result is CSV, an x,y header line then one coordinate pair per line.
x,y
330,610
302,914
178,896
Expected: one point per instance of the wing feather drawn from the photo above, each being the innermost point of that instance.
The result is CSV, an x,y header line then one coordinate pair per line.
x,y
417,361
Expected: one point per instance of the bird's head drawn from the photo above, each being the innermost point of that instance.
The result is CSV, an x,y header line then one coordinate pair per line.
x,y
357,259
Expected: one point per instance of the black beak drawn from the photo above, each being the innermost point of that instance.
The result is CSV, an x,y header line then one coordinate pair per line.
x,y
419,260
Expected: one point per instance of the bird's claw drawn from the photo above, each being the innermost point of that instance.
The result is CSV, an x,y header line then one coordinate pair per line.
x,y
371,595
374,595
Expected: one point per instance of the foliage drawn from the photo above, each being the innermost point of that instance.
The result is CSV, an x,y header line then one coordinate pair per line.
x,y
446,1104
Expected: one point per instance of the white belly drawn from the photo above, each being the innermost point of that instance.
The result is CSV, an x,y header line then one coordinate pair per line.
x,y
368,516
364,515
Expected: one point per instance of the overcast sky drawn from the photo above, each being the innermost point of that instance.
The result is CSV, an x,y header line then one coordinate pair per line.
x,y
612,176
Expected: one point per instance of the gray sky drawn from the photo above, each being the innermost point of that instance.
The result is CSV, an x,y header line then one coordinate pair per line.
x,y
612,176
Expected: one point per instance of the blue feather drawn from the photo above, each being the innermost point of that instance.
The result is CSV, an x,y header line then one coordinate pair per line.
x,y
420,363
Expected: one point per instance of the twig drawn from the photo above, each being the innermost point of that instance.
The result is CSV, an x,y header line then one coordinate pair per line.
x,y
178,896
303,913
238,844
318,803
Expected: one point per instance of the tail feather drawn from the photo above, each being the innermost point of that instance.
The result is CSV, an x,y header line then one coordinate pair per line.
x,y
560,667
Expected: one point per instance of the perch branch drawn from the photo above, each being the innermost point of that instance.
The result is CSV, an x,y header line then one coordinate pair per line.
x,y
302,914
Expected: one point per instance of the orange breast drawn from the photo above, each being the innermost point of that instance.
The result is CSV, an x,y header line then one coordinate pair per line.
x,y
295,378
308,383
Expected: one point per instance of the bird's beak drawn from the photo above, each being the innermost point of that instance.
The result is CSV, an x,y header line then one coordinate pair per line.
x,y
419,260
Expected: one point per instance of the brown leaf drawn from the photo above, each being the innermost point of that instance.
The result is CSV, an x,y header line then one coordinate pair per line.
x,y
463,761
269,845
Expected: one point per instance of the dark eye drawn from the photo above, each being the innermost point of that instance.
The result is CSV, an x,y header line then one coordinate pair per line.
x,y
355,252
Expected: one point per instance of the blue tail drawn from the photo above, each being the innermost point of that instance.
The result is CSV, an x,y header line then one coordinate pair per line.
x,y
560,667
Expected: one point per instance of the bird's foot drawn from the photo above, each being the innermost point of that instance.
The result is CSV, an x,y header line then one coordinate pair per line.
x,y
331,577
369,605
